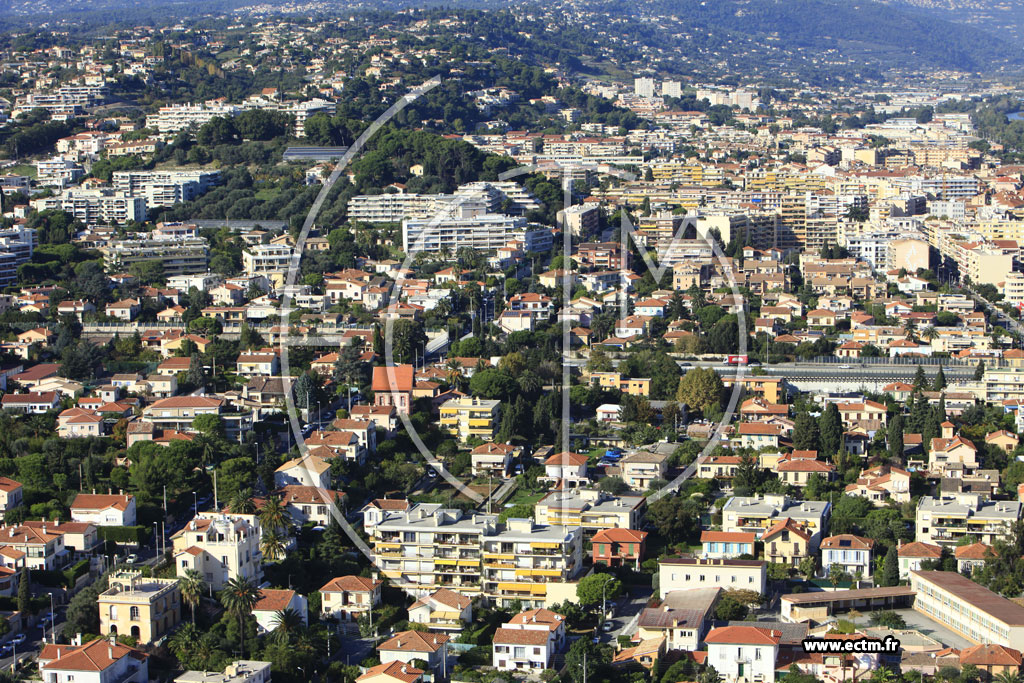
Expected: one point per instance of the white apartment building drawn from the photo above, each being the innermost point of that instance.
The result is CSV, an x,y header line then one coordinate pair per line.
x,y
465,226
16,246
428,547
178,257
267,259
167,187
177,117
743,654
944,521
241,671
757,514
58,171
687,573
94,207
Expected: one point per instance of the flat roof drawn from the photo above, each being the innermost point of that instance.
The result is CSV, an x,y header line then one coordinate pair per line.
x,y
858,594
992,604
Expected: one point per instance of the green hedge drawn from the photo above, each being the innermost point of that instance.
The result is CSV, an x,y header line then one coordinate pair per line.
x,y
138,535
76,571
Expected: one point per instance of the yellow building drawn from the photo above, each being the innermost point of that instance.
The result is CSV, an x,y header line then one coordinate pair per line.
x,y
144,608
638,386
470,416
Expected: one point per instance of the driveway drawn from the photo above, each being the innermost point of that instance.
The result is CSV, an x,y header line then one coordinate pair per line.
x,y
919,622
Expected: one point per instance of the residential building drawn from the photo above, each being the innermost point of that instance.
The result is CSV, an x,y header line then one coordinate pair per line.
x,y
42,546
104,509
442,610
407,646
528,641
619,547
759,513
240,671
946,520
98,661
726,545
347,598
273,602
852,553
393,386
590,510
144,608
787,542
11,495
743,654
640,468
686,573
911,555
220,547
392,672
469,416
95,207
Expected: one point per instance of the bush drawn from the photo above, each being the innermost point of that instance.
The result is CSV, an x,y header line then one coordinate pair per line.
x,y
125,535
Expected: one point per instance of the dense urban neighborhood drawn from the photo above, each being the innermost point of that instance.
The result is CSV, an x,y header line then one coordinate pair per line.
x,y
395,344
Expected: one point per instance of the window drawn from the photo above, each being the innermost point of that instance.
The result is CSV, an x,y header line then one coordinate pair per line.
x,y
134,613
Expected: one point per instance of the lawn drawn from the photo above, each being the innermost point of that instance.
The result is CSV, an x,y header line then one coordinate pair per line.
x,y
22,169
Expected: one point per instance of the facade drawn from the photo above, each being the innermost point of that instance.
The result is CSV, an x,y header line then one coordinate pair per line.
x,y
348,597
528,641
852,553
469,416
726,545
443,610
220,548
687,573
272,602
590,510
178,257
407,646
968,609
743,654
104,509
144,608
240,671
945,521
759,513
619,547
94,207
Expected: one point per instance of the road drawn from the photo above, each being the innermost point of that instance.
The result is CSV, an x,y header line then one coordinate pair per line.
x,y
34,641
627,614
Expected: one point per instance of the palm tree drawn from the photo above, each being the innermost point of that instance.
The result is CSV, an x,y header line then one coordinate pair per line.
x,y
272,545
929,334
287,623
239,598
207,448
274,515
454,367
184,641
242,503
192,588
1006,676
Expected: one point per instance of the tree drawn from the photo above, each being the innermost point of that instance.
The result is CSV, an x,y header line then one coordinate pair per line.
x,y
836,575
920,380
595,656
274,514
808,566
675,518
891,568
596,588
701,389
287,624
979,372
896,436
241,503
805,432
888,619
730,609
195,375
940,380
830,429
272,545
239,597
191,586
24,593
209,424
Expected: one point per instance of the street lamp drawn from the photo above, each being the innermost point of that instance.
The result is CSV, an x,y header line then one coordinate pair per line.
x,y
53,622
195,503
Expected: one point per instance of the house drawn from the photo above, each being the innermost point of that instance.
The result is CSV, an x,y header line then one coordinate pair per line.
x,y
392,672
143,608
393,386
375,510
569,468
42,546
30,402
98,661
786,542
1003,439
971,556
797,471
220,547
406,646
687,573
310,505
78,422
310,470
758,513
880,484
263,363
346,598
104,509
725,544
646,653
913,554
758,435
639,468
528,641
239,671
619,547
682,618
950,451
852,553
493,459
274,601
11,495
870,412
991,658
442,610
743,654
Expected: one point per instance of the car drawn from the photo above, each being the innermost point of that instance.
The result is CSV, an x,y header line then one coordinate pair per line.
x,y
684,364
845,367
18,639
432,473
47,618
6,650
608,626
132,559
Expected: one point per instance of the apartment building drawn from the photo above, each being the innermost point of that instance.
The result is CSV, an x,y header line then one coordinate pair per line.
x,y
743,654
42,544
687,573
58,172
144,608
240,671
267,259
220,548
465,227
946,520
95,207
17,244
590,510
429,547
171,119
469,416
582,219
968,609
165,187
757,514
640,386
178,256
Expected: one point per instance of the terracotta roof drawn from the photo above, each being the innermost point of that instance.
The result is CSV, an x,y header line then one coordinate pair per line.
x,y
406,673
743,635
101,501
446,597
352,584
919,549
273,600
414,641
567,459
96,655
786,524
727,537
853,542
521,636
990,654
403,378
974,551
619,535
